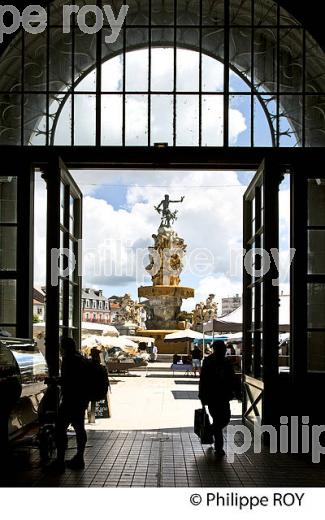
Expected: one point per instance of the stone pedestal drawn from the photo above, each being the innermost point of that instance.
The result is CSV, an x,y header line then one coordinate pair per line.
x,y
164,305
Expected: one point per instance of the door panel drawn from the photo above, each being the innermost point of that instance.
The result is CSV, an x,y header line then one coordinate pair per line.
x,y
64,281
260,295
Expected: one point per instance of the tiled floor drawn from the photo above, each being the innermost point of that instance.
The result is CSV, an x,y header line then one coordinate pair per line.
x,y
169,458
149,442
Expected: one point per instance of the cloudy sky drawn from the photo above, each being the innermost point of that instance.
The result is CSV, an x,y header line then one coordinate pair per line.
x,y
119,215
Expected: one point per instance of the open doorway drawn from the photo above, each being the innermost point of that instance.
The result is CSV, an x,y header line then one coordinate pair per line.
x,y
118,224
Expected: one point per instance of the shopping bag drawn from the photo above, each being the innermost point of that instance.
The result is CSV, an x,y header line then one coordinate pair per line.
x,y
202,426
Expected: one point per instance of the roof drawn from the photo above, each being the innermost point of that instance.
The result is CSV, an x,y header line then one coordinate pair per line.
x,y
92,294
38,296
36,302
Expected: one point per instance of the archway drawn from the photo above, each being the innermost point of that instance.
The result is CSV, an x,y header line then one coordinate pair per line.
x,y
266,45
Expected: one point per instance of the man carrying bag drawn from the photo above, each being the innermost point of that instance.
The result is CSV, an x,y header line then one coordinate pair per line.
x,y
216,389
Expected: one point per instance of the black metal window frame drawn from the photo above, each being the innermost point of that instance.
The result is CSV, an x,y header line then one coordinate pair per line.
x,y
32,90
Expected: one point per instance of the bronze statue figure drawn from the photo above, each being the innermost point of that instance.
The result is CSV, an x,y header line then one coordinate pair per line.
x,y
167,217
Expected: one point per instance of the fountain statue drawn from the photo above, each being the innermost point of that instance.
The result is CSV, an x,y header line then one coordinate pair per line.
x,y
164,297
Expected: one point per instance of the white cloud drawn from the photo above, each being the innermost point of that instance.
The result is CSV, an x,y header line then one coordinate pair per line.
x,y
237,125
220,285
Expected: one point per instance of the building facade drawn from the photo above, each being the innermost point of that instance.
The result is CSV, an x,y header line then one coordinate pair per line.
x,y
38,305
95,307
229,305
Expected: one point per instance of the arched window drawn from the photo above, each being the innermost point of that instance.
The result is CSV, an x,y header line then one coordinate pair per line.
x,y
183,72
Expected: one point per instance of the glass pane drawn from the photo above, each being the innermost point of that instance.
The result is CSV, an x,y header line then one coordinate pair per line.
x,y
315,121
213,43
239,120
61,121
35,108
212,120
265,12
137,70
213,13
88,83
316,351
253,317
316,202
162,112
287,18
61,302
71,305
135,15
316,252
290,120
10,119
113,51
136,120
265,60
62,194
187,67
85,57
263,128
291,60
35,71
60,44
240,57
316,306
62,234
112,75
162,12
315,66
71,219
187,120
212,74
8,200
8,248
112,120
188,12
241,12
253,297
8,298
85,127
162,69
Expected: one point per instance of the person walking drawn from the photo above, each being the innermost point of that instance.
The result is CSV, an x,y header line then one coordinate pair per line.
x,y
154,353
73,405
196,359
217,387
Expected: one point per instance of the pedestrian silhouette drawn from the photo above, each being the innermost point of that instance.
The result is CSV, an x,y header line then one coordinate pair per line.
x,y
216,388
73,406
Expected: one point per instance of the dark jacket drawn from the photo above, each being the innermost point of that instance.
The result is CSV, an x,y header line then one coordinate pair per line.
x,y
74,379
217,381
196,353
